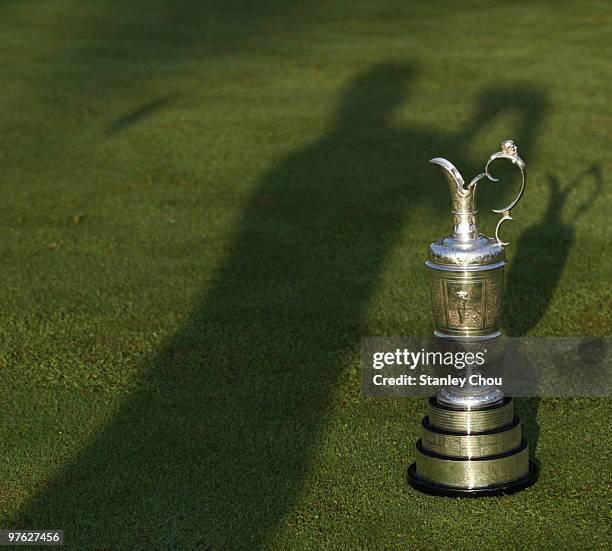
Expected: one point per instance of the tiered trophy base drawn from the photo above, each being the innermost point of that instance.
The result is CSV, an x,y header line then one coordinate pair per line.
x,y
472,453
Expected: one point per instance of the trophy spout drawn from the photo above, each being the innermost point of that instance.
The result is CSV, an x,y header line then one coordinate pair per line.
x,y
455,180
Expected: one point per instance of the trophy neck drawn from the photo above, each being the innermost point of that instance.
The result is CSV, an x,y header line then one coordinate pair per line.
x,y
463,200
464,226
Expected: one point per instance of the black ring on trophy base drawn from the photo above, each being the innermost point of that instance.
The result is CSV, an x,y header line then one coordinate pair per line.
x,y
450,491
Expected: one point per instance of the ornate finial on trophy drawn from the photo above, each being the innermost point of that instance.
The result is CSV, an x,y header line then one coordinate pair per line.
x,y
471,441
509,147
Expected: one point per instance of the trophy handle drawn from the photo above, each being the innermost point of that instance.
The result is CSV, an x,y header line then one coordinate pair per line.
x,y
508,151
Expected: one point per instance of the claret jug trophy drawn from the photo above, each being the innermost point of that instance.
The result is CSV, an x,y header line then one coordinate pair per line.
x,y
471,442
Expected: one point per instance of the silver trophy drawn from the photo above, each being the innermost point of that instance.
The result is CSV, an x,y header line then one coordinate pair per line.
x,y
471,440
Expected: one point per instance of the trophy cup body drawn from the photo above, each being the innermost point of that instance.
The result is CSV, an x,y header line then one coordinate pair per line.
x,y
471,440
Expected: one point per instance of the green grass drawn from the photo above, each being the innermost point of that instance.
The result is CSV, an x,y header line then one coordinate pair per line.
x,y
206,204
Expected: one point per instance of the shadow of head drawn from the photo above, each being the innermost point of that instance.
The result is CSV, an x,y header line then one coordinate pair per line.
x,y
374,95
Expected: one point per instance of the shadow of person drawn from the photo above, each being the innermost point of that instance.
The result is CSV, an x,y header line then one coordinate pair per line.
x,y
214,448
537,267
